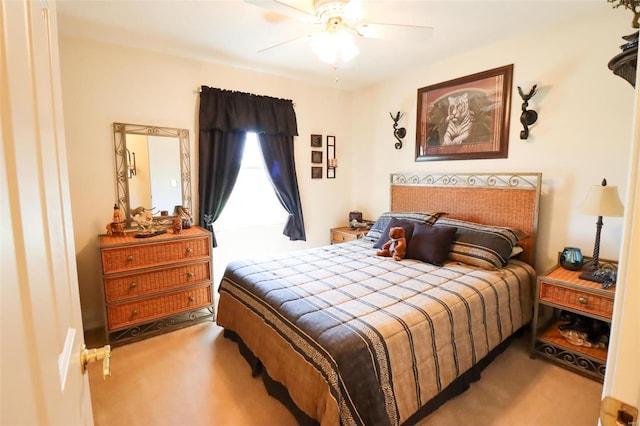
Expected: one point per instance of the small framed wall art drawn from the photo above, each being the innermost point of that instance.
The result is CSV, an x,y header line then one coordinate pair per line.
x,y
316,141
316,157
316,172
332,162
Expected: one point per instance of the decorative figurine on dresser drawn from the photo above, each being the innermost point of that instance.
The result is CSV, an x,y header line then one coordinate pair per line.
x,y
155,284
116,226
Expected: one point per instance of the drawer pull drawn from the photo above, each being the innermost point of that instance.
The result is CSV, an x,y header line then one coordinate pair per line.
x,y
129,258
192,299
189,250
582,300
134,313
133,285
189,274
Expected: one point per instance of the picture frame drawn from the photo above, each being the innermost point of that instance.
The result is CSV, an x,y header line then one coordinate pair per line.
x,y
316,157
316,141
331,157
465,118
316,172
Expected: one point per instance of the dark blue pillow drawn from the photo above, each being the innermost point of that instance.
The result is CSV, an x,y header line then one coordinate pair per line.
x,y
430,243
482,245
408,230
379,226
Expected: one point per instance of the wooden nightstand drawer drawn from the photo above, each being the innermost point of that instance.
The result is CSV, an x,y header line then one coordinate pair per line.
x,y
581,300
127,314
341,237
343,234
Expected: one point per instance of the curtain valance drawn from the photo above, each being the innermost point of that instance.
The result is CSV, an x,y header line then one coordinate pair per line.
x,y
229,110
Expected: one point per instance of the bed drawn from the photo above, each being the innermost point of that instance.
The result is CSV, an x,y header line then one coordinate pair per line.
x,y
343,336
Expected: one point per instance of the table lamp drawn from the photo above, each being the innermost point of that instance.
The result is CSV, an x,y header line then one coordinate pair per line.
x,y
602,200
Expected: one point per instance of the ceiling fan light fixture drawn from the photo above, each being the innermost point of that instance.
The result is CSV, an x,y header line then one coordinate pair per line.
x,y
335,47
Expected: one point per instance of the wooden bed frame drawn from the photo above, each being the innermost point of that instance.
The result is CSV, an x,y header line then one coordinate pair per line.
x,y
494,199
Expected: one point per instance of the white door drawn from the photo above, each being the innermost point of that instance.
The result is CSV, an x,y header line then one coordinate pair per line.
x,y
622,378
42,334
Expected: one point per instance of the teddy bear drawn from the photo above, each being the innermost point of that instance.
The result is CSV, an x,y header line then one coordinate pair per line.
x,y
396,247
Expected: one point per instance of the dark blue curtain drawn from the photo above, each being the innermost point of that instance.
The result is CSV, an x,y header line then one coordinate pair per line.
x,y
220,156
225,118
277,151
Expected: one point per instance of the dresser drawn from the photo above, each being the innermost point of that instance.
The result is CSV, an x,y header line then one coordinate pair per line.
x,y
157,284
562,289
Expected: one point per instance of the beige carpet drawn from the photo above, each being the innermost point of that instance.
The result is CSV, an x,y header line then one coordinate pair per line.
x,y
195,376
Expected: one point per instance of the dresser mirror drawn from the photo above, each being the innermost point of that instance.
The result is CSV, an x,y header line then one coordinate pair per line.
x,y
153,168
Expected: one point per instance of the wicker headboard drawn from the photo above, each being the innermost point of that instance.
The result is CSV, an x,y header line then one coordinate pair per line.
x,y
503,199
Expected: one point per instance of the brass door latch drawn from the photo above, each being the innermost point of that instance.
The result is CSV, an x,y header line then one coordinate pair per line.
x,y
617,413
93,355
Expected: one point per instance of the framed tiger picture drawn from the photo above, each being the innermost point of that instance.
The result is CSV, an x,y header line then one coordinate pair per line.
x,y
465,118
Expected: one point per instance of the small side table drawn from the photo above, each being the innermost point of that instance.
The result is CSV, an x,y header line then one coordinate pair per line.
x,y
561,289
344,233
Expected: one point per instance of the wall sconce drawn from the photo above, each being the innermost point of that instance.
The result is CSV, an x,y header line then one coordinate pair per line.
x,y
398,132
528,117
131,166
332,161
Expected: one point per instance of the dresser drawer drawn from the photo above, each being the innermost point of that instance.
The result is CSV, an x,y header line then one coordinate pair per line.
x,y
134,285
142,310
581,300
131,257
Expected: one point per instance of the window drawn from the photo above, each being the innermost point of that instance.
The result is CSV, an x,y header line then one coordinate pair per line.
x,y
253,201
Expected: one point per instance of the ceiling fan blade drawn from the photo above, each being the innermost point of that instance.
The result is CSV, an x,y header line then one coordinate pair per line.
x,y
293,40
394,32
285,8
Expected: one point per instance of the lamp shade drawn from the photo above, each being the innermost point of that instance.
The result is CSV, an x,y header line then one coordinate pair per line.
x,y
602,201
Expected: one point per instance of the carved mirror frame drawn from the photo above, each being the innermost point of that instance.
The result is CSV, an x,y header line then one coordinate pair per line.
x,y
120,132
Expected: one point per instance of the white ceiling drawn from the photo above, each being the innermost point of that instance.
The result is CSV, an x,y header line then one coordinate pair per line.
x,y
233,31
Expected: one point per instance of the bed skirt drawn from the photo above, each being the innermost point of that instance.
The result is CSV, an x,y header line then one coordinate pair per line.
x,y
457,387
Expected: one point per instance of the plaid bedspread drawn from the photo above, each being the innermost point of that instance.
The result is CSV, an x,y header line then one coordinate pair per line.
x,y
387,336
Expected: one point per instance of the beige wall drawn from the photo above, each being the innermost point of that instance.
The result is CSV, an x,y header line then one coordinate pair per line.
x,y
103,84
583,133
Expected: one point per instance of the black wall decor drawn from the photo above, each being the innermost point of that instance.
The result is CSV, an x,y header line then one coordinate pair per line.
x,y
398,132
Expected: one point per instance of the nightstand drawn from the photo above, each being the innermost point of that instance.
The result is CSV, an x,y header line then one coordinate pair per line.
x,y
344,233
561,289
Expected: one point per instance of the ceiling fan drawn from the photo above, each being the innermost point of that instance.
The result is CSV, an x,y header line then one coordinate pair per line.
x,y
340,23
